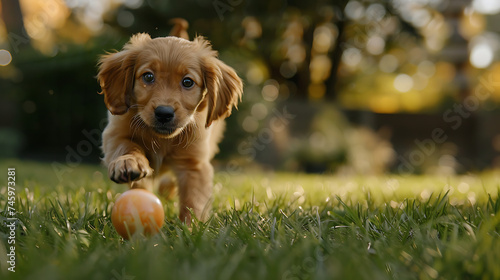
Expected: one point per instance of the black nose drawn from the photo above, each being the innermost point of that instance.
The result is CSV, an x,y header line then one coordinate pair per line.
x,y
164,114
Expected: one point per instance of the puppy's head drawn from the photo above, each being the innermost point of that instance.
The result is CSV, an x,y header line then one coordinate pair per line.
x,y
168,83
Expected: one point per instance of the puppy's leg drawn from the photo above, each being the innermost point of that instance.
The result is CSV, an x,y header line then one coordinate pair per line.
x,y
195,191
167,186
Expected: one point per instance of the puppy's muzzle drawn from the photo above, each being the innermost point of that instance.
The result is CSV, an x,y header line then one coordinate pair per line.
x,y
164,114
165,119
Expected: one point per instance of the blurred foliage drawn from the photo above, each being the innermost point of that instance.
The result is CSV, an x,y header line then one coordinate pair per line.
x,y
336,145
385,56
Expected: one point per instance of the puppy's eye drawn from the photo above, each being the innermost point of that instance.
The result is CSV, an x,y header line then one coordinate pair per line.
x,y
148,77
187,83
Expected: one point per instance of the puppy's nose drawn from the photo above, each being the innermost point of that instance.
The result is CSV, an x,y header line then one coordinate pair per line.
x,y
164,114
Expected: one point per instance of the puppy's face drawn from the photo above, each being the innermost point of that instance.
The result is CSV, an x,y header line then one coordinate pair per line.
x,y
166,81
168,84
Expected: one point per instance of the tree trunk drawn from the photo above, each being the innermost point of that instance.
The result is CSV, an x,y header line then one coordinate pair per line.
x,y
14,24
335,57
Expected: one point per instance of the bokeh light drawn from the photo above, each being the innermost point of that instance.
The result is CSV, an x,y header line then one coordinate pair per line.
x,y
481,55
296,53
375,12
125,18
259,111
352,57
324,37
250,124
375,45
426,68
255,73
403,83
486,6
483,48
354,10
270,90
320,68
388,63
253,28
288,69
5,57
421,17
471,23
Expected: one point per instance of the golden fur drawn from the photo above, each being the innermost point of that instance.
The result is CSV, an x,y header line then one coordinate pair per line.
x,y
137,150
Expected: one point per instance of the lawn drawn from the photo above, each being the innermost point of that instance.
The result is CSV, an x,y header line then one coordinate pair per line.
x,y
264,226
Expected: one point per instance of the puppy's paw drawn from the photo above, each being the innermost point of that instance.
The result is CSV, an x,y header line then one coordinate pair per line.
x,y
128,168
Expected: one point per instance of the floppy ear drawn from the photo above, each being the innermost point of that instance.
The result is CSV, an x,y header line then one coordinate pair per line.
x,y
116,75
224,89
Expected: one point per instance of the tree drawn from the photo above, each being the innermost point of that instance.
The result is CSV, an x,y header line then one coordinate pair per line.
x,y
14,24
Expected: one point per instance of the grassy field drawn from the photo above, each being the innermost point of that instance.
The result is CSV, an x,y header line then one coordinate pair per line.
x,y
264,226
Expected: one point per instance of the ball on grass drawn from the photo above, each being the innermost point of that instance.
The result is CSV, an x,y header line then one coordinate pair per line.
x,y
137,211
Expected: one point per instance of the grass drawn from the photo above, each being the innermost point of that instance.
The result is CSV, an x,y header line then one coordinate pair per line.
x,y
264,226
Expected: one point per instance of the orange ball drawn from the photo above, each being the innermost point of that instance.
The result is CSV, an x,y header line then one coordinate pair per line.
x,y
137,211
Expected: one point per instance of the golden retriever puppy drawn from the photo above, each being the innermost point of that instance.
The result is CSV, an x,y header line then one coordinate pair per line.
x,y
167,99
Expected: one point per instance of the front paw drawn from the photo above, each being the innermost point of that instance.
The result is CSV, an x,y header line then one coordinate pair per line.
x,y
128,168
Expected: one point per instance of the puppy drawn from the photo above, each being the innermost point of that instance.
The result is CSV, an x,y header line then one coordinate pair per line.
x,y
167,99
